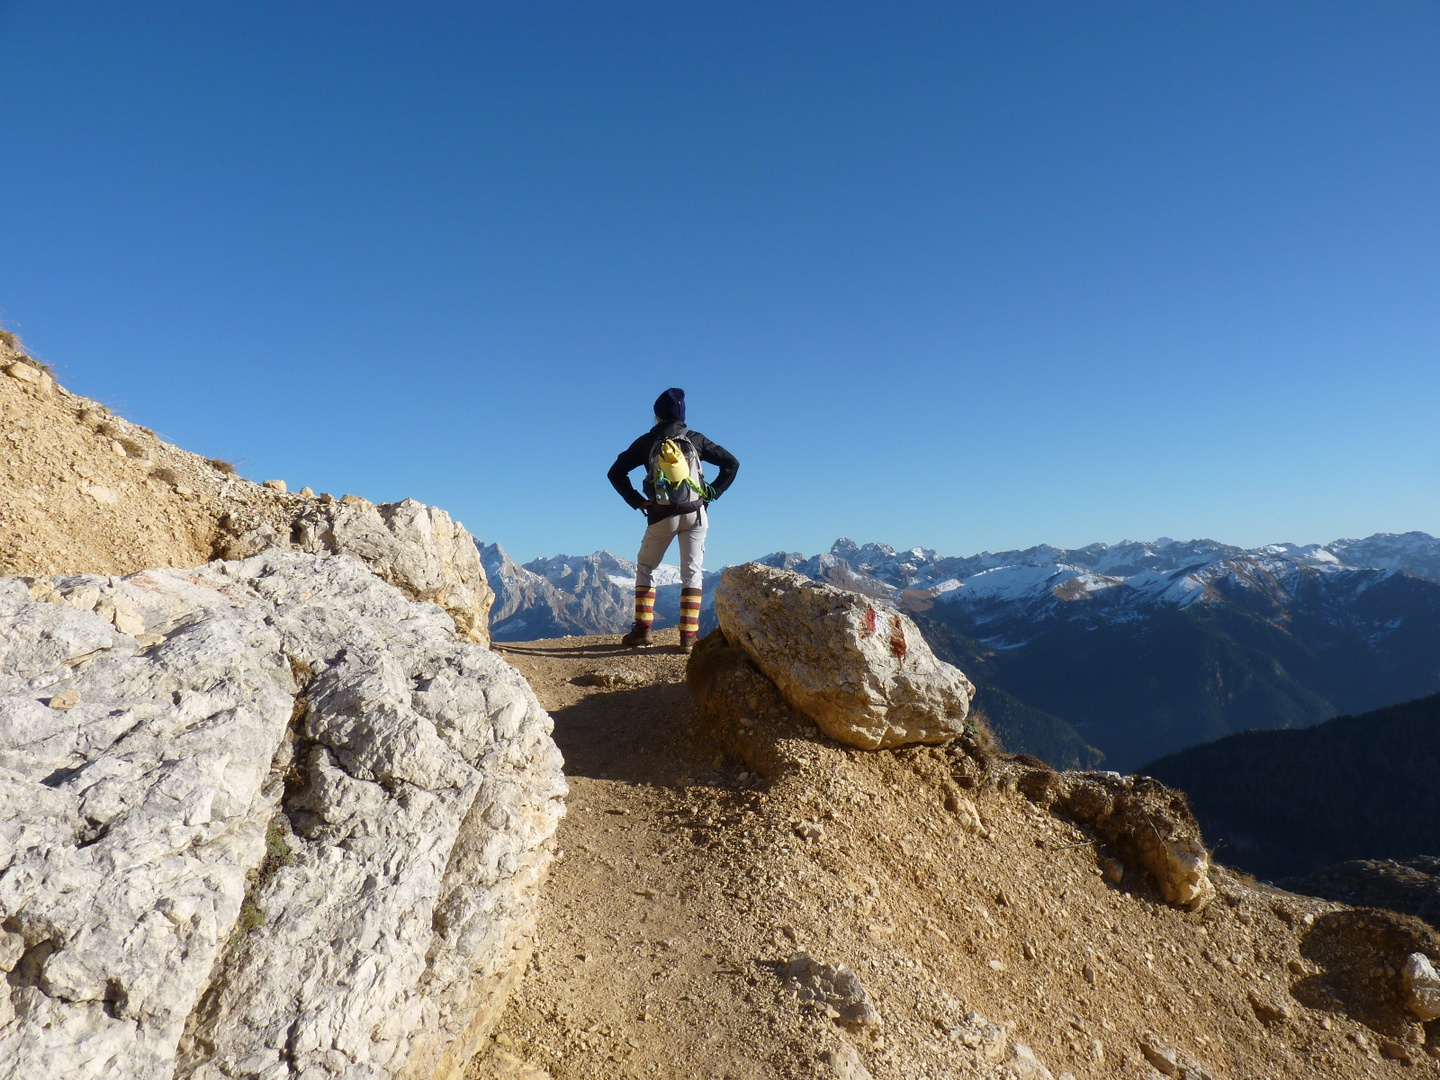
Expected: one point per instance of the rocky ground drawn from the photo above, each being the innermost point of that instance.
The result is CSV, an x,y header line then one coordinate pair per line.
x,y
85,491
697,863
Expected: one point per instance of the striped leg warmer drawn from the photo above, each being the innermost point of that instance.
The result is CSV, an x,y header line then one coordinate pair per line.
x,y
690,611
644,605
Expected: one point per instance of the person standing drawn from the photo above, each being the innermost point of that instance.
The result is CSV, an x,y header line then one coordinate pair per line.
x,y
675,502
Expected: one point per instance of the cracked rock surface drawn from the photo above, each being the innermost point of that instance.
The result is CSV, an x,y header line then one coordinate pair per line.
x,y
265,818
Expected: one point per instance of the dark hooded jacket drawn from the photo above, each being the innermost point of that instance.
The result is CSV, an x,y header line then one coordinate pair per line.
x,y
637,456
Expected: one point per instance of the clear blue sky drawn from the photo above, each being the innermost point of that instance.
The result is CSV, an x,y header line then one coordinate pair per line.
x,y
967,276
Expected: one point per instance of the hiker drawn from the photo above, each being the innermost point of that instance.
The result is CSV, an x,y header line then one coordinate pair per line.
x,y
675,503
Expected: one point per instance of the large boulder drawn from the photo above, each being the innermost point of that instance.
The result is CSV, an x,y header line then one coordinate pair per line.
x,y
267,818
862,673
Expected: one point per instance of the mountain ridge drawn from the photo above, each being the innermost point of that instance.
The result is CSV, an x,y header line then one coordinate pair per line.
x,y
1172,642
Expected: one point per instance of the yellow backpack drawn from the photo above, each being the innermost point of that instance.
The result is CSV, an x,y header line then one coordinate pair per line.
x,y
677,474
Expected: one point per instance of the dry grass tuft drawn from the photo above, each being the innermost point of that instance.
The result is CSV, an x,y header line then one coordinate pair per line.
x,y
221,465
10,343
115,431
166,475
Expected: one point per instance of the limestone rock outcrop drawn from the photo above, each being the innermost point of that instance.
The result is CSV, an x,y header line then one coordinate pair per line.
x,y
265,818
863,674
1149,823
416,548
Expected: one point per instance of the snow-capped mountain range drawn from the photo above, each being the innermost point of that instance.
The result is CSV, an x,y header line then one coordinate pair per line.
x,y
1011,589
593,594
1123,652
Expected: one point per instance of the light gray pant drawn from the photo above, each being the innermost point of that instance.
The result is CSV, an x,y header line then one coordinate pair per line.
x,y
691,529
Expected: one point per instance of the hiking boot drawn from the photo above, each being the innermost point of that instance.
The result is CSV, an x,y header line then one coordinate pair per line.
x,y
688,639
639,635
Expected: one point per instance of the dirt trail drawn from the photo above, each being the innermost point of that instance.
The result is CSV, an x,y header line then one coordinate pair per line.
x,y
644,966
687,881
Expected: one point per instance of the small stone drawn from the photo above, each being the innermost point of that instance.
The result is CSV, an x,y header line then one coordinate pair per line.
x,y
1113,869
993,1042
12,947
846,1063
1397,1051
1296,967
810,830
275,485
85,599
128,622
308,492
1026,1066
1089,973
1030,951
835,987
1266,1011
997,965
25,373
1097,1052
118,449
1161,1056
1422,987
64,701
103,495
37,380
